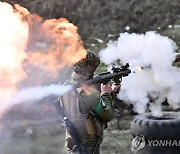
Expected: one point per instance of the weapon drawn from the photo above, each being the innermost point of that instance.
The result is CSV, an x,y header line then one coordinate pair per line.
x,y
116,75
71,129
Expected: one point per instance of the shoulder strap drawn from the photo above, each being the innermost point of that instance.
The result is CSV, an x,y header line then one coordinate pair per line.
x,y
72,130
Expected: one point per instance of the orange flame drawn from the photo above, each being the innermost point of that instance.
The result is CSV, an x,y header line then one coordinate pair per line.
x,y
28,39
53,43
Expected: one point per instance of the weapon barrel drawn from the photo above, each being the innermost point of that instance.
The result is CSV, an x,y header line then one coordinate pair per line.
x,y
104,77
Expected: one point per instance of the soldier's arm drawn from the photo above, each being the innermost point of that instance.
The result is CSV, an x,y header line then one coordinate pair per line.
x,y
99,103
104,107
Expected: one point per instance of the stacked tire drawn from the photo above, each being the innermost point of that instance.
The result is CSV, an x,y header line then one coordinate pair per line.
x,y
161,135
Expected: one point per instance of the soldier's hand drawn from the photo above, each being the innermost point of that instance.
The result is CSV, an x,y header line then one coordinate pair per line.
x,y
116,88
106,88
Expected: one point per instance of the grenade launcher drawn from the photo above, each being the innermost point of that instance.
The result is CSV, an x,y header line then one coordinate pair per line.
x,y
115,75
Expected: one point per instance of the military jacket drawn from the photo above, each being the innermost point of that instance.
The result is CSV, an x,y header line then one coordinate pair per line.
x,y
89,111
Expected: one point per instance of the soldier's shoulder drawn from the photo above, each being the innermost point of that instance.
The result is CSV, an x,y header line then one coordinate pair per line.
x,y
91,90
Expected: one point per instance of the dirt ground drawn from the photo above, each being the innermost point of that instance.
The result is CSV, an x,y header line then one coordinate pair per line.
x,y
37,129
116,141
48,138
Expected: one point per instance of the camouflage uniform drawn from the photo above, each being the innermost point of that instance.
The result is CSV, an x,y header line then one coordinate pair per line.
x,y
89,111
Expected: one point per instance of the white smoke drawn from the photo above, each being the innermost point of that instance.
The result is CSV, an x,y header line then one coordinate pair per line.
x,y
27,95
158,79
33,94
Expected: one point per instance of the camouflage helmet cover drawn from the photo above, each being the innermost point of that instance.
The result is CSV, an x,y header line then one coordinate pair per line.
x,y
87,66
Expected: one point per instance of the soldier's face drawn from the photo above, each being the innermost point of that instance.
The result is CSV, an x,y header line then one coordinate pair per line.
x,y
76,76
85,77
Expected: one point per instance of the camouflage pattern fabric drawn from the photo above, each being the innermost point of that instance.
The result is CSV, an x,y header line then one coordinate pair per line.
x,y
88,103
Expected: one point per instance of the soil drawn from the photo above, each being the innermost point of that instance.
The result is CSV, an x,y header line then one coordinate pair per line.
x,y
115,142
37,129
118,140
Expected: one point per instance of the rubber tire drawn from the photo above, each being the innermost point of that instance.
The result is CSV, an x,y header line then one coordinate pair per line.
x,y
151,129
157,129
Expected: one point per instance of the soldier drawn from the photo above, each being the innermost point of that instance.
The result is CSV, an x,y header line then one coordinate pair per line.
x,y
88,109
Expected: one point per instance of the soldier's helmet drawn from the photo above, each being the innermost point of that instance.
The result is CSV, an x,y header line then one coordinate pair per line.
x,y
88,65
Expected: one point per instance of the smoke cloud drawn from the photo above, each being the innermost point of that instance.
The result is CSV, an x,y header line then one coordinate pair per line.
x,y
153,77
33,94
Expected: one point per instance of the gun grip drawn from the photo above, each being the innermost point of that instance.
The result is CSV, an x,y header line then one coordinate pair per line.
x,y
118,81
105,82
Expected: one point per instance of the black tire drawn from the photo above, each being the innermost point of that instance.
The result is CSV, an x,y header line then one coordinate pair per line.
x,y
164,128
